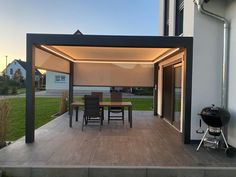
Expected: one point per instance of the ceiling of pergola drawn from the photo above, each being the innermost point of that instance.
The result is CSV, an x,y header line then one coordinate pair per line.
x,y
108,54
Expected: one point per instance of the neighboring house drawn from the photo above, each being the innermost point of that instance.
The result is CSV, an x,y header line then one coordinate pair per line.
x,y
20,66
59,82
182,18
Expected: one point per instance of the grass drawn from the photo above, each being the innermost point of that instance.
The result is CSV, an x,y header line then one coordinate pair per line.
x,y
45,108
21,90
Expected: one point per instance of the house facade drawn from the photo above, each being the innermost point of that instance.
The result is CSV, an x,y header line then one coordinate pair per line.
x,y
58,82
19,65
182,18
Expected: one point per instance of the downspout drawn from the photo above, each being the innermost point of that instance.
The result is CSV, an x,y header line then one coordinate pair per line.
x,y
225,61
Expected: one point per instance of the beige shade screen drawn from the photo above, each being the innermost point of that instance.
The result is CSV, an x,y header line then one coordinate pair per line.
x,y
106,74
48,61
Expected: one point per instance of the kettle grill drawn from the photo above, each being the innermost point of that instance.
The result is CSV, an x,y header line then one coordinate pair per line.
x,y
215,118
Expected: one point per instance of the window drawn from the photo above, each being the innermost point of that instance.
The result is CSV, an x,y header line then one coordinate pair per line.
x,y
166,17
11,71
179,17
60,78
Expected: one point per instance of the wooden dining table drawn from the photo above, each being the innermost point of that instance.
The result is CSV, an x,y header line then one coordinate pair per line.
x,y
76,105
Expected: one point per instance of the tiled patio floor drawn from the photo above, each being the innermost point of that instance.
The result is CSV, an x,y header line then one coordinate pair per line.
x,y
151,142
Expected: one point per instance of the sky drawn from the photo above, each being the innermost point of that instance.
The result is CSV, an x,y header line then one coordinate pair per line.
x,y
101,17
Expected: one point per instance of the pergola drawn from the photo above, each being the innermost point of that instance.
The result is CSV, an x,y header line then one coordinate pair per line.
x,y
95,60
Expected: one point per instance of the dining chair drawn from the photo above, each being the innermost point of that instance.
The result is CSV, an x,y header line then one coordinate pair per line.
x,y
113,111
100,95
92,111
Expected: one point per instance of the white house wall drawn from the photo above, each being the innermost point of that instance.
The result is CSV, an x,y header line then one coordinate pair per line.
x,y
231,15
172,5
51,84
189,9
57,87
162,16
188,18
207,62
15,66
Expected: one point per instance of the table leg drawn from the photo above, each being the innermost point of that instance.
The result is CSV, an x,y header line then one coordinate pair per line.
x,y
130,116
102,115
70,121
76,118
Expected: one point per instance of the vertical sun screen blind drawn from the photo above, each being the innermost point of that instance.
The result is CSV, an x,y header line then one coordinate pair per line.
x,y
48,61
107,74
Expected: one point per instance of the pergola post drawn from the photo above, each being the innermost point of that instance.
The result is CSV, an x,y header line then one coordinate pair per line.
x,y
188,92
30,94
155,88
71,83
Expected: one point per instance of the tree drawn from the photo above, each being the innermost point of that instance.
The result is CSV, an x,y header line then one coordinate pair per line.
x,y
18,76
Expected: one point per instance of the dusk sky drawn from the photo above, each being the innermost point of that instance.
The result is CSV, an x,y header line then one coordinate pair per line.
x,y
106,17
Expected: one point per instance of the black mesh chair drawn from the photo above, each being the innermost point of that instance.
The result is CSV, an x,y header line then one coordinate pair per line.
x,y
92,111
113,111
100,96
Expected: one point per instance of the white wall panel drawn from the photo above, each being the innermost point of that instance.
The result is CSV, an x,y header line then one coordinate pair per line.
x,y
207,63
231,15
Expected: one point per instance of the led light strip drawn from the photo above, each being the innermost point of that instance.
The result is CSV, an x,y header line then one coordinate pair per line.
x,y
164,56
115,62
56,53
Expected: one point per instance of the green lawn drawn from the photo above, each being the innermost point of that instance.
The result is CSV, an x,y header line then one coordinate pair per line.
x,y
45,108
21,90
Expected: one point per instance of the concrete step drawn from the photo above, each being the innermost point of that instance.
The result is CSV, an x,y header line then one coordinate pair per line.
x,y
95,171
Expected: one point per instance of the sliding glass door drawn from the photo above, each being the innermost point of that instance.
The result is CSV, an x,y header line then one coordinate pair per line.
x,y
172,87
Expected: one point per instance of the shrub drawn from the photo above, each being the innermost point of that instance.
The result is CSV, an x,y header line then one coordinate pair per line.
x,y
13,90
64,102
4,89
4,113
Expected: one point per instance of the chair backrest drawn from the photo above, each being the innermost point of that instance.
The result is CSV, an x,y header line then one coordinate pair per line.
x,y
91,106
116,97
99,94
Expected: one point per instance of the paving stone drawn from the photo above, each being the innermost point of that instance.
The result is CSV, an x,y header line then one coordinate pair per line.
x,y
117,172
175,172
60,172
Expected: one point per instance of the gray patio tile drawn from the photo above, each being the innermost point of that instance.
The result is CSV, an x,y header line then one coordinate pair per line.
x,y
220,172
59,172
117,172
17,172
174,172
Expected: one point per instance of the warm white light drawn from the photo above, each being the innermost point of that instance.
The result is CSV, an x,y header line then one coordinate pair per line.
x,y
164,56
112,62
53,51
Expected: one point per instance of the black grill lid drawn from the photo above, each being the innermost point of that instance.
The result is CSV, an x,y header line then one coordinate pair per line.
x,y
215,116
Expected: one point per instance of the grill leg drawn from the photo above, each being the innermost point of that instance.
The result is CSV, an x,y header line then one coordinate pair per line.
x,y
202,139
224,139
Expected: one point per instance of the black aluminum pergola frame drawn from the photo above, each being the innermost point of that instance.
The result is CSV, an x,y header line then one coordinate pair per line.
x,y
106,41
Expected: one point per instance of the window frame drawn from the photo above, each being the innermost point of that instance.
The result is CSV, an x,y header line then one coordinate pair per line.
x,y
60,78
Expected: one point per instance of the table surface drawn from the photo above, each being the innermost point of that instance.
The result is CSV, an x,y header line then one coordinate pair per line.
x,y
104,103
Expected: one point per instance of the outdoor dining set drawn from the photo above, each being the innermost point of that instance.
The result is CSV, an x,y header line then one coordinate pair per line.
x,y
93,109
